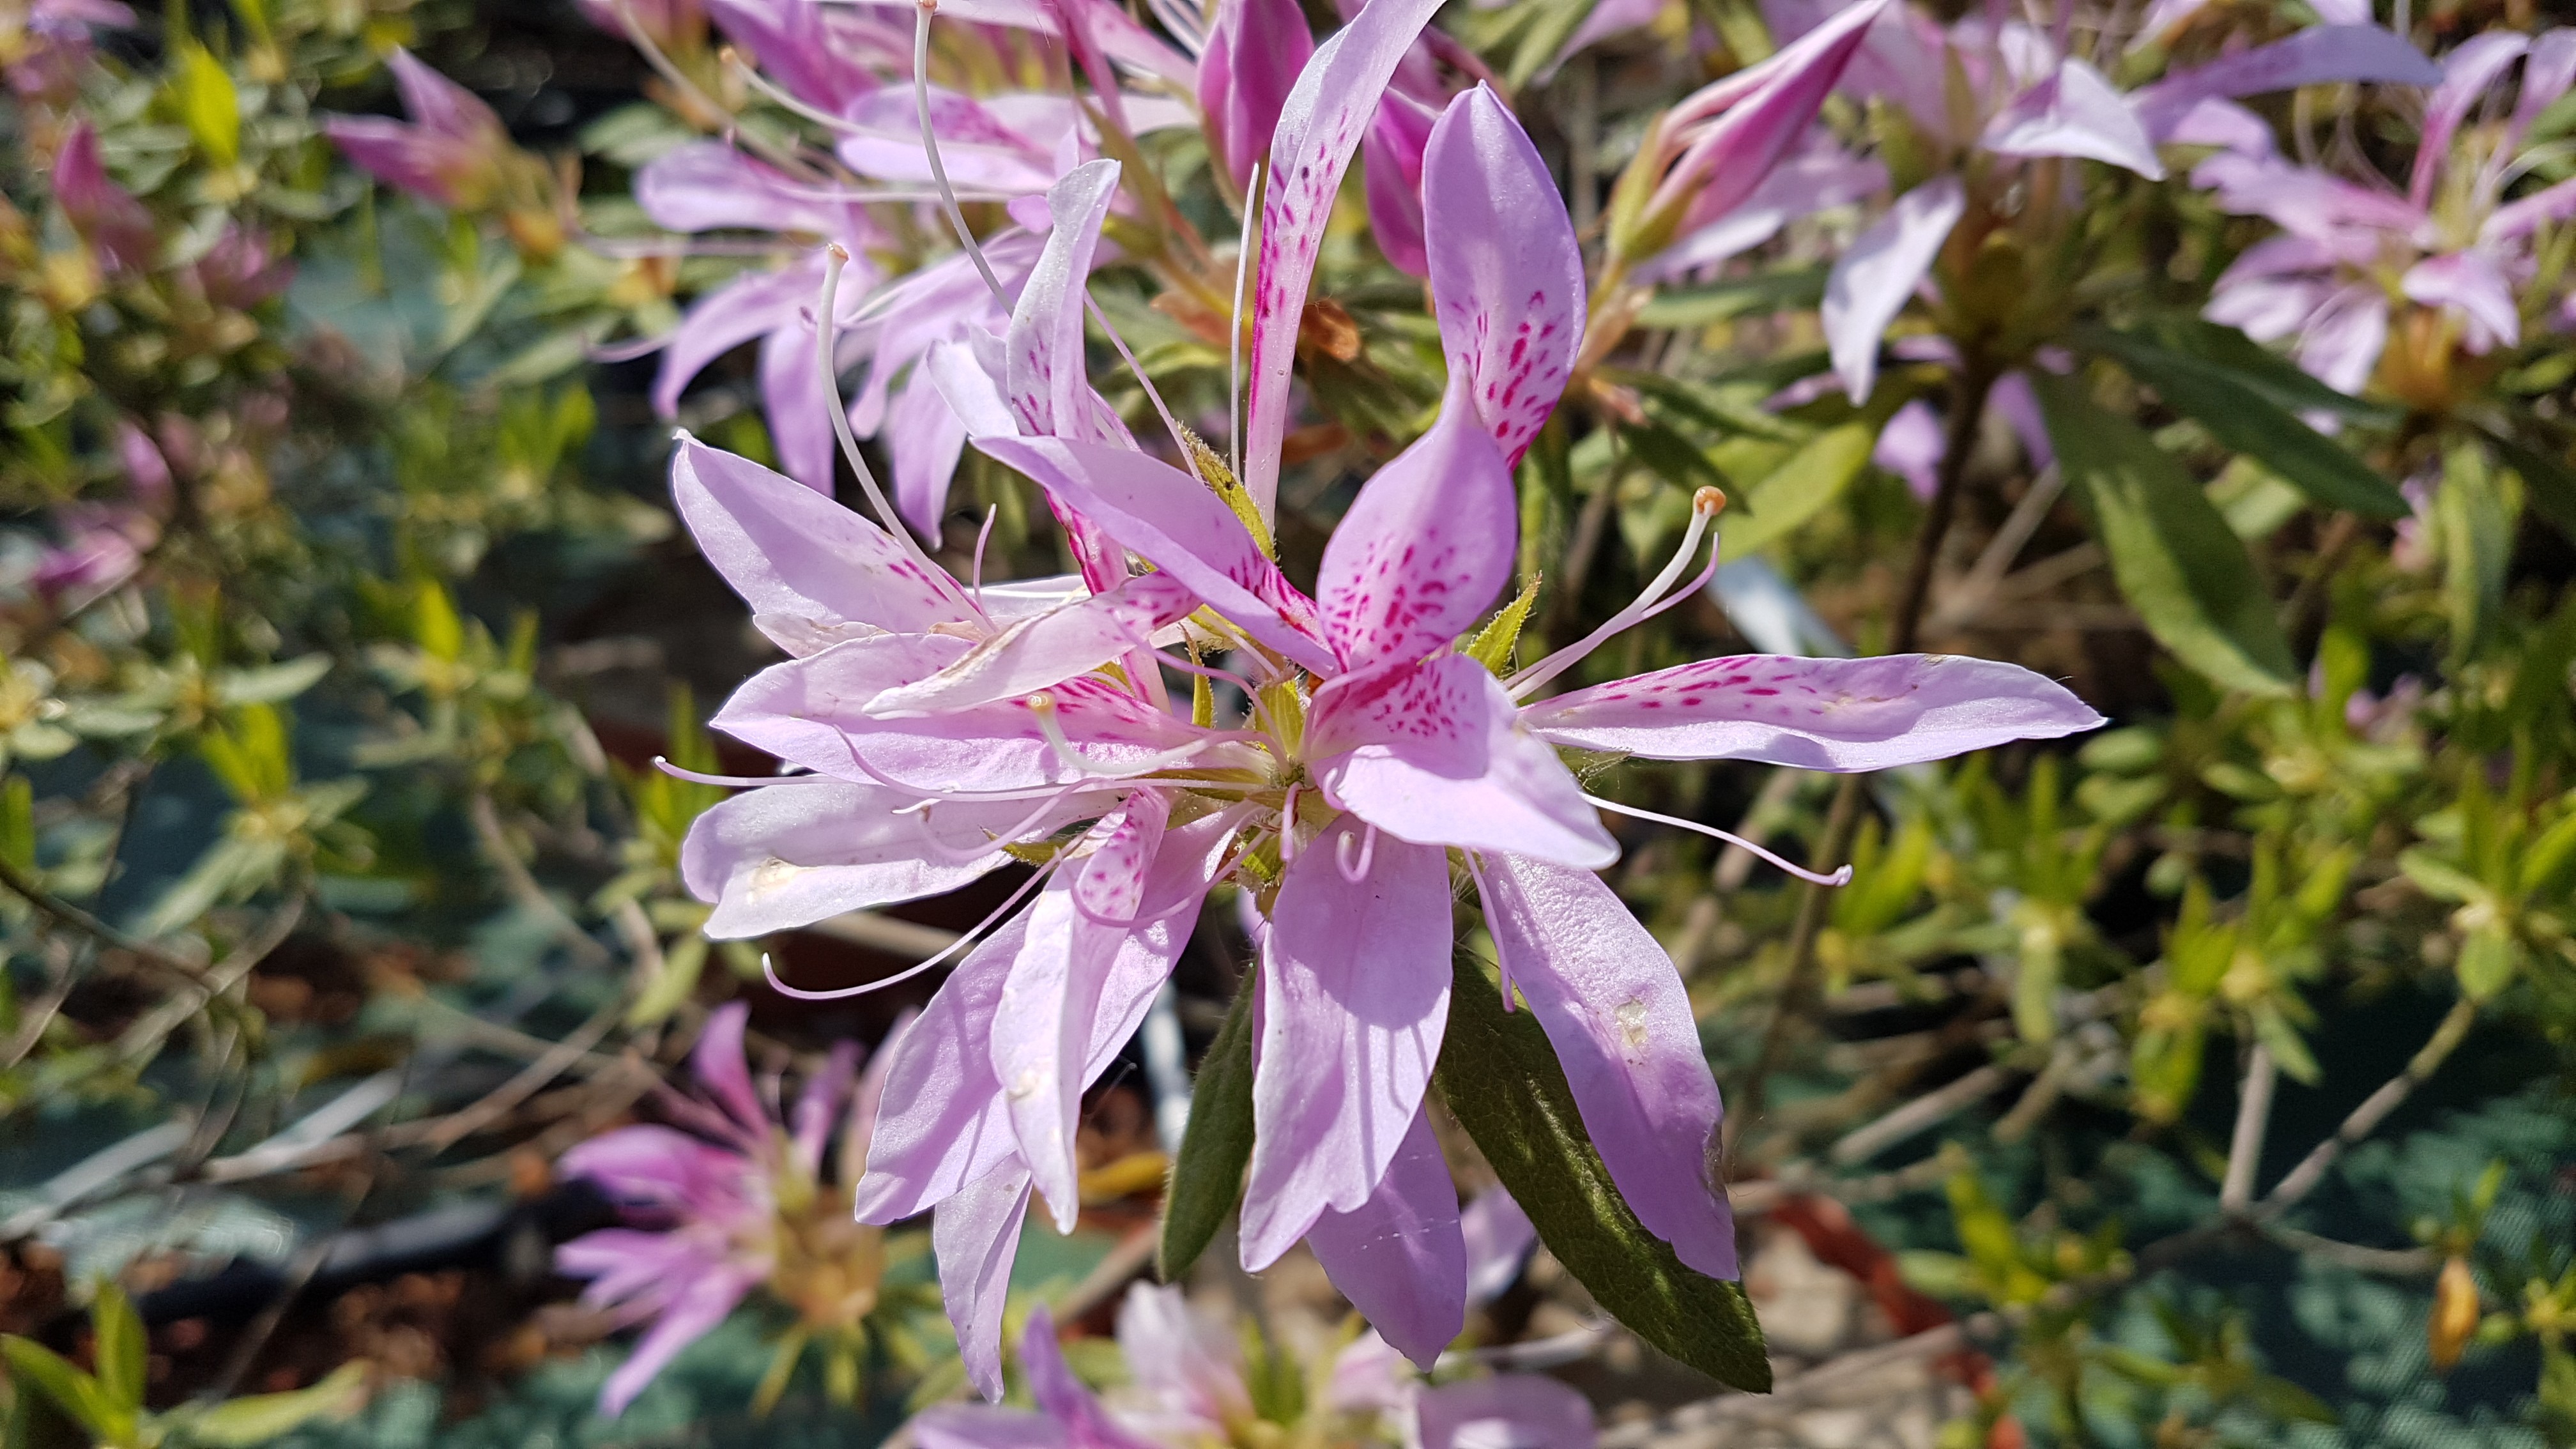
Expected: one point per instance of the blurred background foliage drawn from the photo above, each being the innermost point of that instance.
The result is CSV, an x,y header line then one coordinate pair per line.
x,y
343,612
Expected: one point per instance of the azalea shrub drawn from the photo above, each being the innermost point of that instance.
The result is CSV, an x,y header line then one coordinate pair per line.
x,y
873,688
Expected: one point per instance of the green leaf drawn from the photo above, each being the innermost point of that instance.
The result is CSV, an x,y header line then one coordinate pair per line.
x,y
2180,566
208,104
1207,1173
121,1347
663,994
2237,413
75,1393
18,822
1714,302
1493,644
2487,961
1503,1084
258,1418
1799,488
272,682
2281,382
1556,24
2548,483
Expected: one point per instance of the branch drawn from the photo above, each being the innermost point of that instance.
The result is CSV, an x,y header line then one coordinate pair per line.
x,y
66,914
2245,1148
2373,1110
523,886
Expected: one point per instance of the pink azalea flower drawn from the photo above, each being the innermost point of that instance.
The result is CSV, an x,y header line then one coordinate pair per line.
x,y
737,1202
2353,255
107,216
939,729
452,151
53,43
2028,98
1188,1390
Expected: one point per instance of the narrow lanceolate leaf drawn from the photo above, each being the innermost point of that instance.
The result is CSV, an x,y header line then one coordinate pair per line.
x,y
2236,411
2279,381
1207,1176
2548,483
1504,1086
1799,488
2181,568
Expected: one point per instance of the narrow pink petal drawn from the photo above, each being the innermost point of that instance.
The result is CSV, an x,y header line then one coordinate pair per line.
x,y
776,859
1255,50
441,105
1392,158
809,712
982,1426
1911,445
652,1164
944,1121
796,46
704,185
1437,755
798,406
1507,1411
1761,113
2479,62
868,1097
1872,281
805,564
2315,56
1320,125
1060,1396
1499,1237
971,389
2471,282
2546,75
1815,714
810,1123
693,1309
720,1067
2521,218
941,1126
751,305
924,438
975,1235
1181,526
1052,998
2074,113
1190,1370
1399,1257
1621,1023
1426,546
1354,999
1048,390
1506,272
2344,337
1047,648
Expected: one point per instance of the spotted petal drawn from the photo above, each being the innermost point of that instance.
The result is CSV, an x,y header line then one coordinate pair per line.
x,y
1423,550
1047,649
1815,714
1615,1010
1437,755
1400,1258
1048,390
1354,1000
1326,114
1183,528
809,568
1506,273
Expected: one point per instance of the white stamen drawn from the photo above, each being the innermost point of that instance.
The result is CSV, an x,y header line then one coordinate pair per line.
x,y
1170,425
960,944
1288,828
930,148
955,855
1355,873
826,336
991,512
1042,708
1841,876
740,782
1705,506
1485,898
1234,328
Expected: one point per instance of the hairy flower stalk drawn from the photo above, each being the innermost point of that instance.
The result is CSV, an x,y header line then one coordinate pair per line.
x,y
945,736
